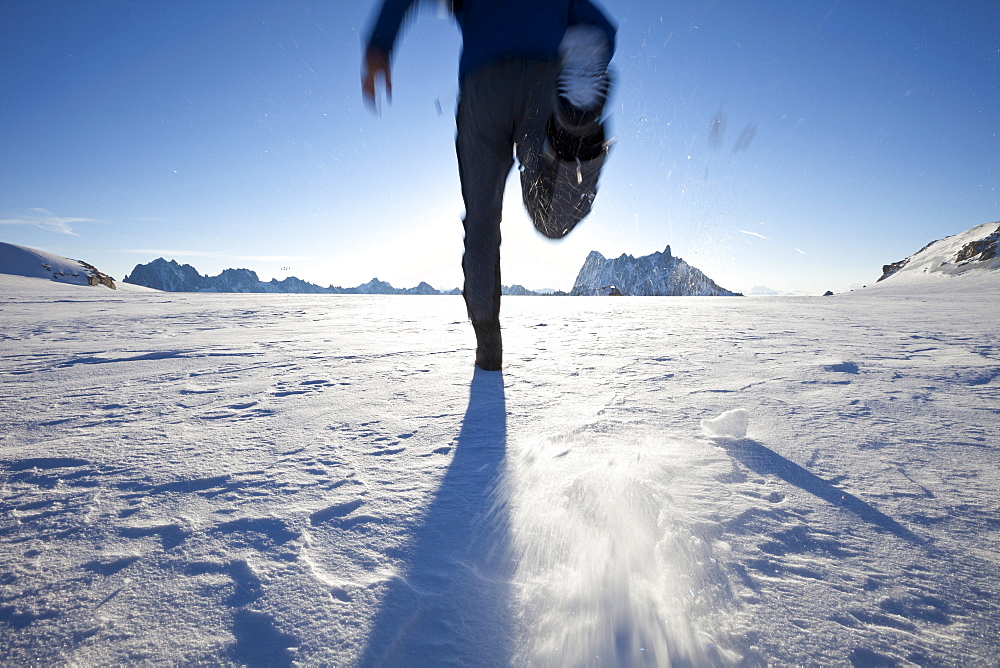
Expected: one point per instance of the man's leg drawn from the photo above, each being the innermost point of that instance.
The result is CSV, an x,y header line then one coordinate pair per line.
x,y
485,155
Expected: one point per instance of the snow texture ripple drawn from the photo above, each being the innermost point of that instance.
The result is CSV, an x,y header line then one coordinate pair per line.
x,y
324,480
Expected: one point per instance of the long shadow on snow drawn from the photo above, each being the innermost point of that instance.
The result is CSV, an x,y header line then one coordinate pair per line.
x,y
451,605
765,461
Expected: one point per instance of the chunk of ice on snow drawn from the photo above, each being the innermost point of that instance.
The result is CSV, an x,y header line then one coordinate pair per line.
x,y
731,424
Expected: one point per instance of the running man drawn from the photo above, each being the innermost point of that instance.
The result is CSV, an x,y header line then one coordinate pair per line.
x,y
533,82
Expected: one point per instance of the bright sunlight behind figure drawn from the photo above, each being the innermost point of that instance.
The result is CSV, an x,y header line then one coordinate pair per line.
x,y
260,405
234,135
533,83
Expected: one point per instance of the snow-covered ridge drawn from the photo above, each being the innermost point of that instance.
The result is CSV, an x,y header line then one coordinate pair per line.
x,y
22,261
659,274
976,249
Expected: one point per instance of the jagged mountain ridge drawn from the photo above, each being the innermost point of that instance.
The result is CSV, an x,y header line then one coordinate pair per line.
x,y
976,249
171,276
658,274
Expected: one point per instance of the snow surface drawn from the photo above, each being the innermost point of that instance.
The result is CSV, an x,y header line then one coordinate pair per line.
x,y
269,479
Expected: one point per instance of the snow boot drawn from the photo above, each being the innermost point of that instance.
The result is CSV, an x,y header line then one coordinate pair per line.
x,y
565,185
583,82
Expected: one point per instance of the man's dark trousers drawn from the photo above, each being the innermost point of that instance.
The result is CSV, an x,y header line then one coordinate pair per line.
x,y
502,107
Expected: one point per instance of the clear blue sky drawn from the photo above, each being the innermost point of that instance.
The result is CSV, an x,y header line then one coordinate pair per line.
x,y
793,144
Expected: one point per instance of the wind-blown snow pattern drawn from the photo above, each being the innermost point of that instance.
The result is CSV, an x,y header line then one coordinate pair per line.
x,y
655,275
325,480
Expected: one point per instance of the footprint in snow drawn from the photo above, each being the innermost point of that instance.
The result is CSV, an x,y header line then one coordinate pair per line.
x,y
443,450
842,367
247,587
387,451
259,642
199,389
240,411
110,566
334,511
170,535
45,463
260,533
303,387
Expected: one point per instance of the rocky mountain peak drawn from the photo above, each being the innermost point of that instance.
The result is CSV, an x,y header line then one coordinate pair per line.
x,y
657,274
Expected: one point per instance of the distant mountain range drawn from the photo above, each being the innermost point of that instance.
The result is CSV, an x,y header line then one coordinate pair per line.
x,y
658,274
170,276
764,291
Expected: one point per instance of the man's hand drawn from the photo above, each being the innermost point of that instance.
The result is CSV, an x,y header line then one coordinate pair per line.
x,y
376,66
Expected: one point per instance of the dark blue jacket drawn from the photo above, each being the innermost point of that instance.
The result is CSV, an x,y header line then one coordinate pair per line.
x,y
493,30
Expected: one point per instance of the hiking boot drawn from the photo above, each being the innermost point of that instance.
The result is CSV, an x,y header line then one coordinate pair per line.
x,y
567,179
489,347
583,82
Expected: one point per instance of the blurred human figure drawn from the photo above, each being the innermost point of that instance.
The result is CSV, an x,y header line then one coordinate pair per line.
x,y
533,81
